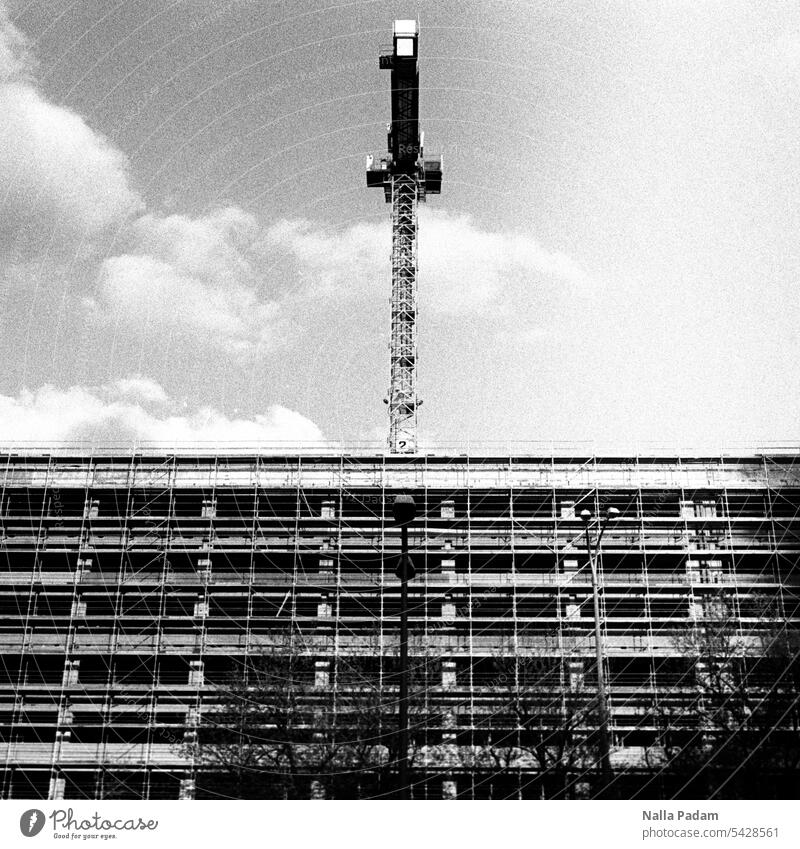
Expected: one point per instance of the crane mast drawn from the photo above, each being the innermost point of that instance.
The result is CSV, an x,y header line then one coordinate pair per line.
x,y
406,178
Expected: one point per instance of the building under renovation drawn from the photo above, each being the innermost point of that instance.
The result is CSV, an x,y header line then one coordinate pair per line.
x,y
226,626
133,587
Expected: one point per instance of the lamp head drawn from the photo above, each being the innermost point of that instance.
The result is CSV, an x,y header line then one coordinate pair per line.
x,y
586,515
612,513
404,509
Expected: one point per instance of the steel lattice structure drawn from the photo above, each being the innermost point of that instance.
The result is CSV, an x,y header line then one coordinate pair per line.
x,y
402,394
406,177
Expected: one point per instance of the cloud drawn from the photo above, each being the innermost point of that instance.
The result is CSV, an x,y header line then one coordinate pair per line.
x,y
468,267
193,277
16,59
328,257
139,388
136,409
221,280
224,281
63,185
60,181
463,266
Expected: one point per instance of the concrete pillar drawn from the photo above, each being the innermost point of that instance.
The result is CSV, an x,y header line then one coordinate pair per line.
x,y
196,673
326,570
570,567
449,570
322,673
71,672
693,571
448,509
567,509
572,609
204,568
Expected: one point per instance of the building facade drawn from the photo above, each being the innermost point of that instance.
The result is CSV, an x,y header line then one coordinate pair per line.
x,y
131,586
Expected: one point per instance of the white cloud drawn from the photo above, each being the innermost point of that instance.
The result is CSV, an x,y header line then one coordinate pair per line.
x,y
60,181
467,267
139,388
463,266
198,277
122,412
328,257
16,59
210,278
62,185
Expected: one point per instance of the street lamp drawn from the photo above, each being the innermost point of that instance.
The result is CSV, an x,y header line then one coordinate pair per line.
x,y
404,511
605,746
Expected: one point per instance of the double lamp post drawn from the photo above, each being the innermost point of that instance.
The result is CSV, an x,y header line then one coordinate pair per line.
x,y
592,551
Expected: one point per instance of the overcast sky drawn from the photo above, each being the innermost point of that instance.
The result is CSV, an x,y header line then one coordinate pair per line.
x,y
189,250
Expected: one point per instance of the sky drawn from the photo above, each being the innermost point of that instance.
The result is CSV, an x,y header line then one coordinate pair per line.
x,y
189,252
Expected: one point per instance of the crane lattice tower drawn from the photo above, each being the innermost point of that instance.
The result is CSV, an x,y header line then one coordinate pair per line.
x,y
406,178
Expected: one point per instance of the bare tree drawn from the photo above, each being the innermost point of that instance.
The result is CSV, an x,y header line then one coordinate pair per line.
x,y
730,728
544,726
275,729
278,728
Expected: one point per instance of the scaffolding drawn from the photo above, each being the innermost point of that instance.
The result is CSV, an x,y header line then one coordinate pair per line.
x,y
131,585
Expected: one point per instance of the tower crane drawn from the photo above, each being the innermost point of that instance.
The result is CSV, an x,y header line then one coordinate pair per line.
x,y
406,178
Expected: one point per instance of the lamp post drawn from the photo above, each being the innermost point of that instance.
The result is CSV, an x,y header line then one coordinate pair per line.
x,y
602,695
404,511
